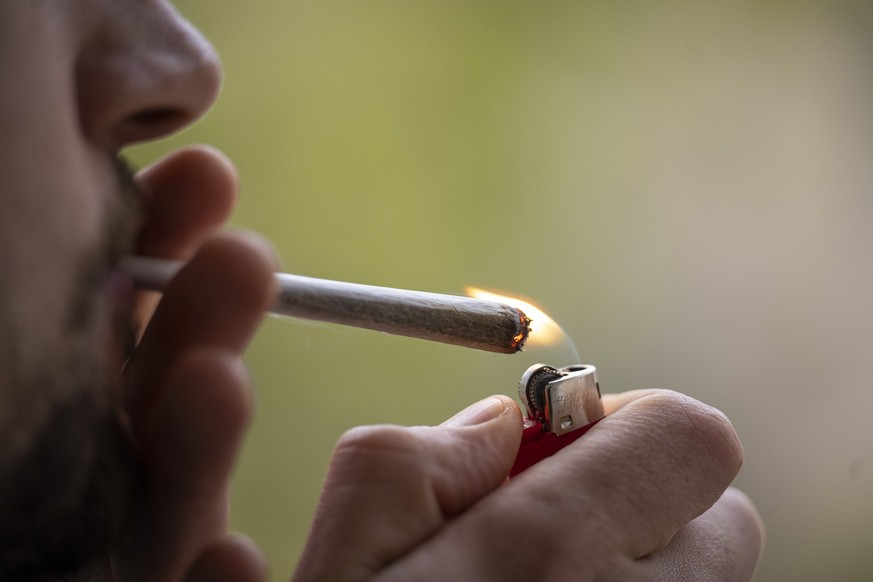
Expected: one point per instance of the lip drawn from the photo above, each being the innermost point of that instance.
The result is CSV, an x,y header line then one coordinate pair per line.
x,y
119,293
119,289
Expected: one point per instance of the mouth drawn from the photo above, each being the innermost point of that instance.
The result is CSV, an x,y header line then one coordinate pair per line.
x,y
119,289
104,295
119,293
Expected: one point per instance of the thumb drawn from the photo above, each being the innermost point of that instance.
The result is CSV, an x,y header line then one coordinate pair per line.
x,y
389,488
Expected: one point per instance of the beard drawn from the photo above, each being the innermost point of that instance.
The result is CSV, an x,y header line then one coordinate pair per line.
x,y
69,474
66,496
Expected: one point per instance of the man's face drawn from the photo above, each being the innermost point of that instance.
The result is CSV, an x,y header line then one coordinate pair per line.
x,y
80,80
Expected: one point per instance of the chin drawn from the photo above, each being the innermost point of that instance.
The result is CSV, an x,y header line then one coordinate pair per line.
x,y
68,470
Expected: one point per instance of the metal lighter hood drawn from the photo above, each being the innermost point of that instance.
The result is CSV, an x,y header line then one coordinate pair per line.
x,y
561,399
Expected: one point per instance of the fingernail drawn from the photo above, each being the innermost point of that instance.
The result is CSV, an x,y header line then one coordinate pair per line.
x,y
478,413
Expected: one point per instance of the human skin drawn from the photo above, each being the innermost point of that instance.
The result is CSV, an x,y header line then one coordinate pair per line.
x,y
82,80
644,495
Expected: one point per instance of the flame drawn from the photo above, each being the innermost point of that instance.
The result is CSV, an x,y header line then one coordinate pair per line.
x,y
544,330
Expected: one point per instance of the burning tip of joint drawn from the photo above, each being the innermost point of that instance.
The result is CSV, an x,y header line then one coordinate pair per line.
x,y
535,327
520,338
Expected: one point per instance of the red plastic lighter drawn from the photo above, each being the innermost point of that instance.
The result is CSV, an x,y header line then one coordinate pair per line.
x,y
562,404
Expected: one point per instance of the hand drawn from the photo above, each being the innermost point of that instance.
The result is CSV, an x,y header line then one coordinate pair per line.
x,y
188,397
642,496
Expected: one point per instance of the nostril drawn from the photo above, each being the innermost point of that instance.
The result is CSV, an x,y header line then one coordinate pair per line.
x,y
157,116
157,121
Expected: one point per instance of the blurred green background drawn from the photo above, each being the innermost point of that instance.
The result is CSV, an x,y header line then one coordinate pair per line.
x,y
684,186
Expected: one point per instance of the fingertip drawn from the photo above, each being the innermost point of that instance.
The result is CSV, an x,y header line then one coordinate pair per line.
x,y
723,543
694,422
206,154
235,558
512,414
240,265
510,406
188,194
754,531
199,166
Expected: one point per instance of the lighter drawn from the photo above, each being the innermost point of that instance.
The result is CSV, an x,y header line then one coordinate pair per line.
x,y
562,404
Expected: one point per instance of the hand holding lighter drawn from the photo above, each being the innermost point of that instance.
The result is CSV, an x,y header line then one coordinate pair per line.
x,y
561,405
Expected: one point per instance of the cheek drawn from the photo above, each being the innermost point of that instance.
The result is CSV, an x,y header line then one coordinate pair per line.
x,y
50,185
54,178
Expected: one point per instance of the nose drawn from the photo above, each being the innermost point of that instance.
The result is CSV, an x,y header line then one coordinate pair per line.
x,y
143,73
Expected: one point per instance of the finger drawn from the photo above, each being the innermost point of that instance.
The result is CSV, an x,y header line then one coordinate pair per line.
x,y
653,465
618,493
230,559
187,459
416,478
217,300
724,545
188,195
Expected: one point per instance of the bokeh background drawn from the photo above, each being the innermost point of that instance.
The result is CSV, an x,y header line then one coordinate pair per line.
x,y
685,186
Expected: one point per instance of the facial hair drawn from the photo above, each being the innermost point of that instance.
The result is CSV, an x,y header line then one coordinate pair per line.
x,y
68,468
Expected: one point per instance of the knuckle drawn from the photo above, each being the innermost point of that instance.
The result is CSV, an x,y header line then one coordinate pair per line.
x,y
366,446
375,437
